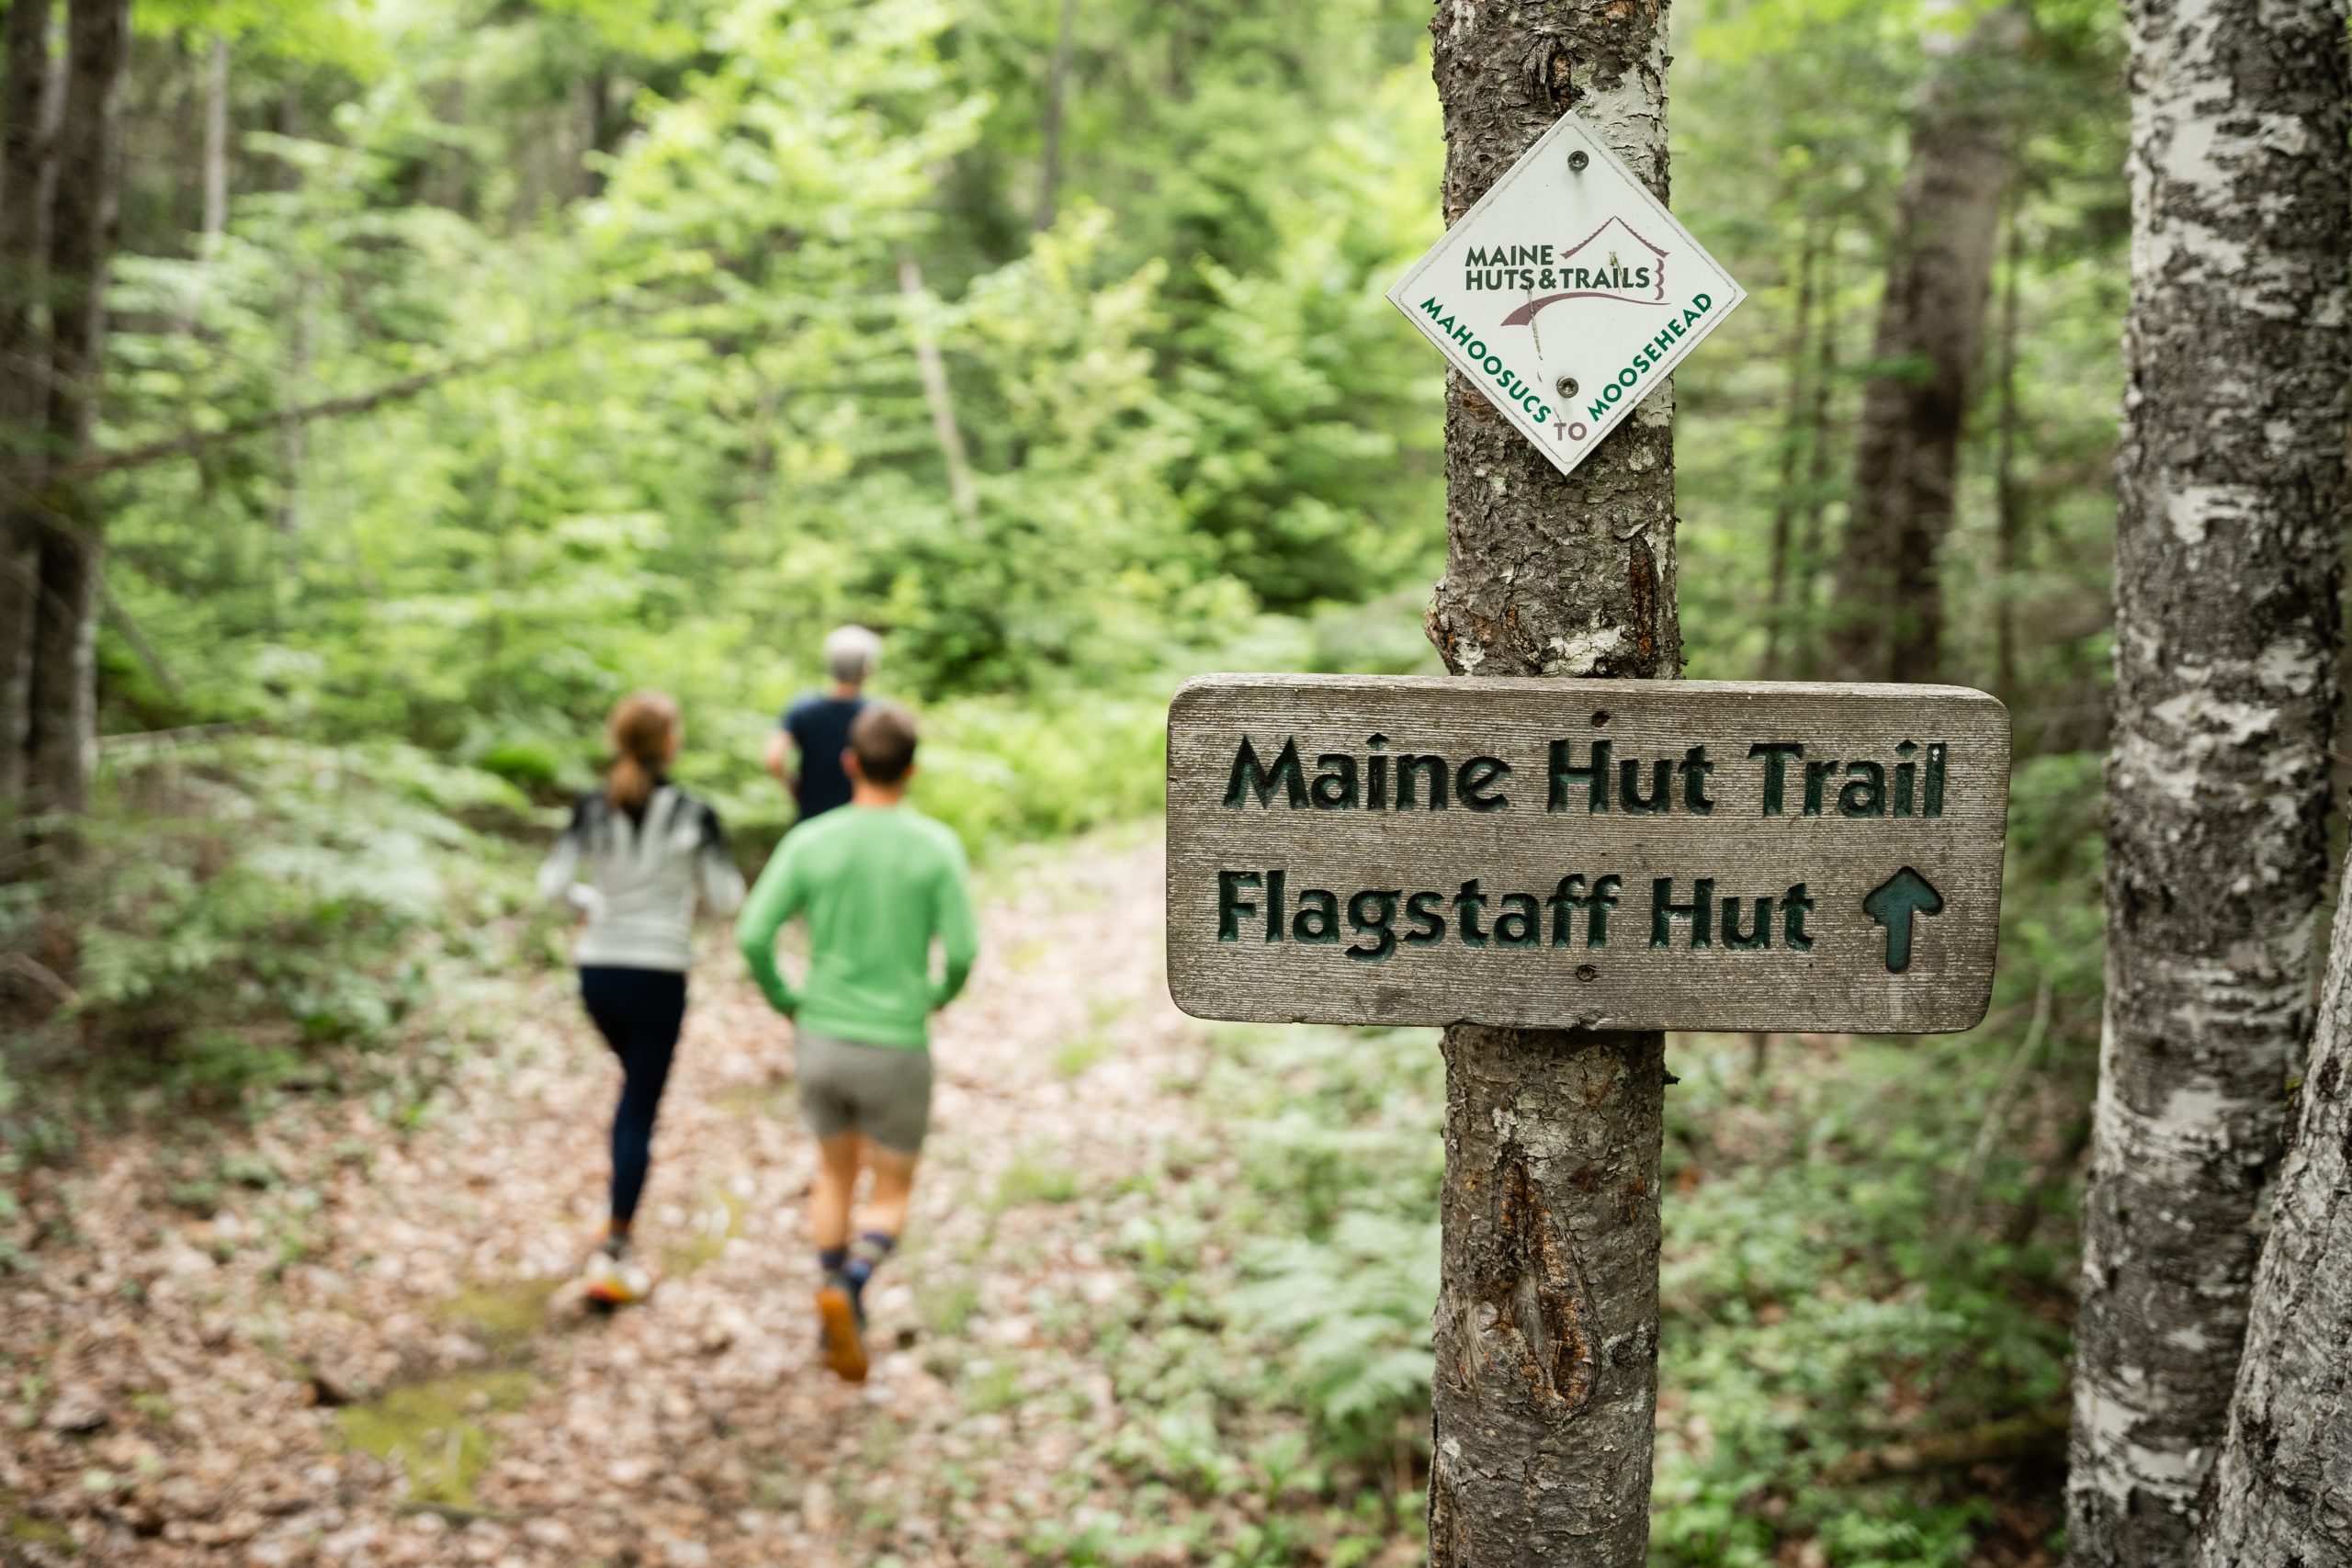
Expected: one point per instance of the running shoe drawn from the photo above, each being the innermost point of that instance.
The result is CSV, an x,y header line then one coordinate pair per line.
x,y
843,1340
616,1280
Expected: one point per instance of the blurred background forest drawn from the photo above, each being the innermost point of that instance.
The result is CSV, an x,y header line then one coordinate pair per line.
x,y
473,362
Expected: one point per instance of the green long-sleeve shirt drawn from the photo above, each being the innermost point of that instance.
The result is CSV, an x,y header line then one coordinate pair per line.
x,y
876,883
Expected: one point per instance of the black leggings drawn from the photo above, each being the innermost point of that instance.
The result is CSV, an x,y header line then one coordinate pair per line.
x,y
638,1011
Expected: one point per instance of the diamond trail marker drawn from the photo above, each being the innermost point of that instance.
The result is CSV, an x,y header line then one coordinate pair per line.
x,y
1605,854
1567,294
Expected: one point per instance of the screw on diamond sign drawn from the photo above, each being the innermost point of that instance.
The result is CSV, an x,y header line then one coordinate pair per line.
x,y
1567,293
1608,854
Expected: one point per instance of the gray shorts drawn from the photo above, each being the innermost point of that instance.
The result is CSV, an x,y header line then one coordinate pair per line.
x,y
883,1091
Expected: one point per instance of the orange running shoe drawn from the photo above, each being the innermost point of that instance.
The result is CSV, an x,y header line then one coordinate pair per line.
x,y
616,1280
842,1341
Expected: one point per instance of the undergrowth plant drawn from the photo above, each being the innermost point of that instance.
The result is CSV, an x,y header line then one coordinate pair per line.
x,y
230,909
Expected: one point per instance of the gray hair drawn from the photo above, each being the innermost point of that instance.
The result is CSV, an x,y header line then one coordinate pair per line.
x,y
850,654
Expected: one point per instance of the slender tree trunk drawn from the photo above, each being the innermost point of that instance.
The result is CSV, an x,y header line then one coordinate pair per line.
x,y
294,432
215,220
605,126
1889,620
24,80
1787,502
63,735
2230,494
1546,1324
212,221
1819,460
2008,504
1049,165
934,393
2280,1492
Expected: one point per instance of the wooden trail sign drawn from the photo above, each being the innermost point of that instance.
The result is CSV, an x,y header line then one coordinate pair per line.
x,y
1608,854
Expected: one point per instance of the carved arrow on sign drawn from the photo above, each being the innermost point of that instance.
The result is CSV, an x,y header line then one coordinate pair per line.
x,y
1892,903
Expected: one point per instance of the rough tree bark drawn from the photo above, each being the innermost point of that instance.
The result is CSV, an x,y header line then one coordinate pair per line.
x,y
1889,620
2279,1493
1546,1323
24,79
2231,491
62,740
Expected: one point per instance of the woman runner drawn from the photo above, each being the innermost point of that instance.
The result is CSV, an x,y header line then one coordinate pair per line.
x,y
650,851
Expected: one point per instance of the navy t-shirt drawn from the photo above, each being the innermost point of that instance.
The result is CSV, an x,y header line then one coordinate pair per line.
x,y
819,725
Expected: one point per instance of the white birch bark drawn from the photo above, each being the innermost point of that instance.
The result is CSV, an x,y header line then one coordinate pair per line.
x,y
2232,493
2282,1491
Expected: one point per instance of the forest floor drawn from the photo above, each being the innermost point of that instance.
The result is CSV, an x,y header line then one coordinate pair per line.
x,y
330,1341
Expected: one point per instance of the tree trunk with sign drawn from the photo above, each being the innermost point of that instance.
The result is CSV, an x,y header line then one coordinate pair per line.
x,y
1547,1327
1888,624
2232,489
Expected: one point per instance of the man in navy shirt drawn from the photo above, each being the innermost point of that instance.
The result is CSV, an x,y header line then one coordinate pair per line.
x,y
806,750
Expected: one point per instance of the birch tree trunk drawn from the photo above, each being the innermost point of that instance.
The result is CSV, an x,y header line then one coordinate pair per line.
x,y
2231,491
1546,1324
2282,1492
1888,624
24,78
62,743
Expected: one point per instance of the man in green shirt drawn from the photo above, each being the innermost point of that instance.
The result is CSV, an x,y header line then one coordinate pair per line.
x,y
876,883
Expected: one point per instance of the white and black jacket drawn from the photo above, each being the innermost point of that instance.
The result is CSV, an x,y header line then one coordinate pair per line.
x,y
643,873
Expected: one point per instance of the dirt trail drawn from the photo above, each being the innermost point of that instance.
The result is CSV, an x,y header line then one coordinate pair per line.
x,y
188,1389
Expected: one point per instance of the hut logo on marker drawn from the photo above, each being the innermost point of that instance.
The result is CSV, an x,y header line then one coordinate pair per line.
x,y
1613,262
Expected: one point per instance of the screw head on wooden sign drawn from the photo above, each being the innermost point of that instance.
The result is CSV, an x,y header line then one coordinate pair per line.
x,y
1567,293
1621,854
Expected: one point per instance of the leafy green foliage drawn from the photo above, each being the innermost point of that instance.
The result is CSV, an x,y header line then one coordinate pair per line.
x,y
672,426
233,909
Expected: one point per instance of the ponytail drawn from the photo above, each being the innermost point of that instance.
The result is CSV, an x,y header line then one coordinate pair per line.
x,y
630,783
644,731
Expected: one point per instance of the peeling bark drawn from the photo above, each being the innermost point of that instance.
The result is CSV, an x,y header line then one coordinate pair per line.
x,y
2232,490
2282,1491
1889,621
1546,1326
